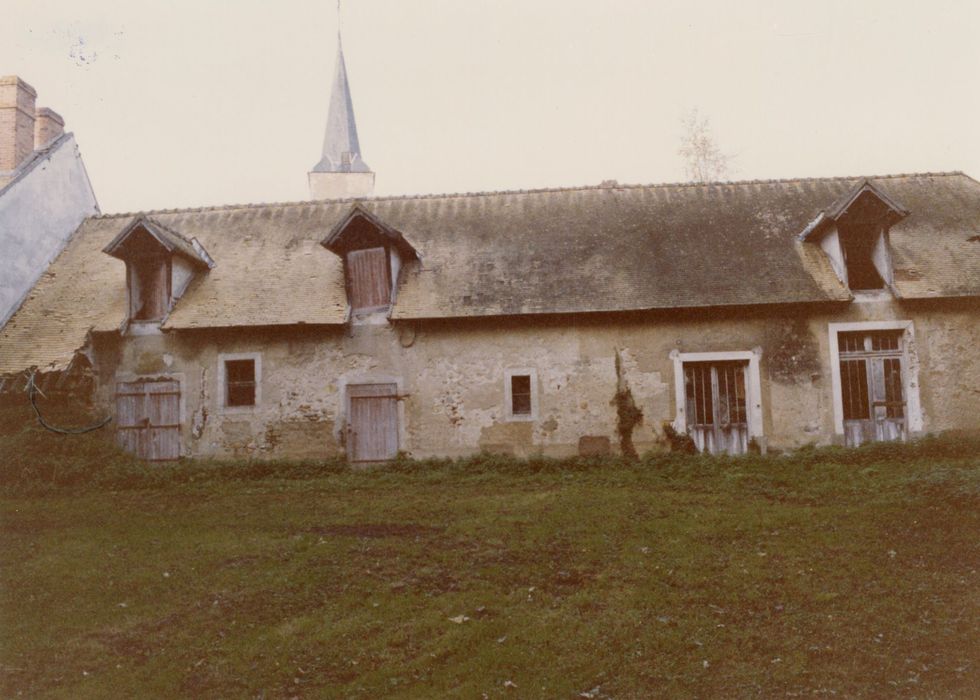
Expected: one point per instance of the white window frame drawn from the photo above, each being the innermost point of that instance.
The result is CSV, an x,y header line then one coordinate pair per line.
x,y
509,397
223,381
910,370
753,398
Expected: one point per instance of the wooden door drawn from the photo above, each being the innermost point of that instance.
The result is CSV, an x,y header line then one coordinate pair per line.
x,y
148,418
716,406
369,283
372,428
872,387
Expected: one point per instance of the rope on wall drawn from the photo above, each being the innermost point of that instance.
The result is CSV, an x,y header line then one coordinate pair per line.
x,y
32,392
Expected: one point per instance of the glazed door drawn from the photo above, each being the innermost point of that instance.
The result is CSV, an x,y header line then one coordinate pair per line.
x,y
716,406
872,387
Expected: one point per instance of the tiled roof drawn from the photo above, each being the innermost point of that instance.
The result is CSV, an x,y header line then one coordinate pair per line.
x,y
574,250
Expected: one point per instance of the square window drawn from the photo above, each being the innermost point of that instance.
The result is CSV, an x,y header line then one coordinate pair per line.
x,y
239,382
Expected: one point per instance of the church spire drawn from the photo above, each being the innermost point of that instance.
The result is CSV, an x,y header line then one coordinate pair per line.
x,y
341,171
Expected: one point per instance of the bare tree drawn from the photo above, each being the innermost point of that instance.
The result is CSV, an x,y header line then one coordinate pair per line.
x,y
703,160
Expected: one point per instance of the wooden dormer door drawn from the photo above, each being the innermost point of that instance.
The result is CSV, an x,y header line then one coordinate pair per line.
x,y
369,282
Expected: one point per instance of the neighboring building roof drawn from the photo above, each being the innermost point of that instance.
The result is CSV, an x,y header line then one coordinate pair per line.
x,y
48,198
35,159
341,150
581,250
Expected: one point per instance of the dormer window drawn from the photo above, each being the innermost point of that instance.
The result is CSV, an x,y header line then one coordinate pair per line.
x,y
373,254
160,263
857,248
854,235
150,283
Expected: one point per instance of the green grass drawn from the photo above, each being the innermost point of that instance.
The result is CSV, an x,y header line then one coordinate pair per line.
x,y
828,573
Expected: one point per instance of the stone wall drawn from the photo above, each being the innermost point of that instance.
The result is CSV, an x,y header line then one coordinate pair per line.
x,y
451,376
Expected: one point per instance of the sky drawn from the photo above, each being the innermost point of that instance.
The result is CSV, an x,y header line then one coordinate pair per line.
x,y
205,102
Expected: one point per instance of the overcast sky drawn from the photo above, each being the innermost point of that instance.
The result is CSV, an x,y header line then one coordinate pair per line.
x,y
197,102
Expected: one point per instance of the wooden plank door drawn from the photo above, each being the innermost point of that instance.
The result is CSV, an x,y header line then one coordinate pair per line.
x,y
369,281
372,429
148,418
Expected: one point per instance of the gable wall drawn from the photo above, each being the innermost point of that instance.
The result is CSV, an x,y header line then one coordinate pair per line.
x,y
452,378
37,215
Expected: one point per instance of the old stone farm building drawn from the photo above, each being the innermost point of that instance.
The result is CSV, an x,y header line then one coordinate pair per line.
x,y
770,314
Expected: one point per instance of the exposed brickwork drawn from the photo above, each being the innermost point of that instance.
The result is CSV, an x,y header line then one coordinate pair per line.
x,y
48,125
16,122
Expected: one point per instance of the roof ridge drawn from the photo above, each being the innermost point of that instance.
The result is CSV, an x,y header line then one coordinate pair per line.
x,y
168,229
541,190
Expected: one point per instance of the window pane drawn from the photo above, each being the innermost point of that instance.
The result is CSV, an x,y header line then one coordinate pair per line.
x,y
241,394
240,370
854,389
240,382
894,402
700,402
851,341
887,340
520,394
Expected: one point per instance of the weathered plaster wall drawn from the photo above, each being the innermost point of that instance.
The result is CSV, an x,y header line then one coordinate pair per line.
x,y
38,213
452,378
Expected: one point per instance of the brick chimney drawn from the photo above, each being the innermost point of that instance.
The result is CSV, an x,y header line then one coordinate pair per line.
x,y
16,122
48,125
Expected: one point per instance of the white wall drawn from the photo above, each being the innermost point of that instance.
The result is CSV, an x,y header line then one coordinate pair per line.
x,y
37,215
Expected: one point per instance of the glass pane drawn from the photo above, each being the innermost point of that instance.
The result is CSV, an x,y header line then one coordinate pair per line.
x,y
854,389
851,341
241,394
700,404
520,394
240,370
885,341
893,389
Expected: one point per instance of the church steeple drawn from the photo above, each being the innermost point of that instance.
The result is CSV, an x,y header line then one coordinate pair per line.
x,y
341,171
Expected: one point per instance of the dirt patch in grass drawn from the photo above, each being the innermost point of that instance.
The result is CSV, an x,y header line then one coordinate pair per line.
x,y
375,530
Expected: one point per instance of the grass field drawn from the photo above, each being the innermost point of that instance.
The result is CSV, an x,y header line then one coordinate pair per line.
x,y
827,574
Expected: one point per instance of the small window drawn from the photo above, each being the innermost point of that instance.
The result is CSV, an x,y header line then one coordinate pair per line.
x,y
521,394
239,382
